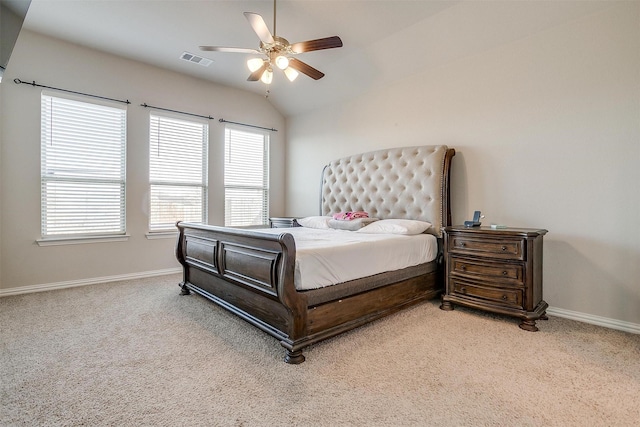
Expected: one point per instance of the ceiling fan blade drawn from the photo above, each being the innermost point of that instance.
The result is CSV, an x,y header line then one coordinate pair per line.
x,y
318,44
260,27
305,68
228,49
255,76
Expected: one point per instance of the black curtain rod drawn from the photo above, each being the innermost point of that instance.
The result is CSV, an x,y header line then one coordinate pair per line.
x,y
244,124
33,83
176,111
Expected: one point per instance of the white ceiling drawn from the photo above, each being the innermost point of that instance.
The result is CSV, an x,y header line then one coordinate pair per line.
x,y
384,40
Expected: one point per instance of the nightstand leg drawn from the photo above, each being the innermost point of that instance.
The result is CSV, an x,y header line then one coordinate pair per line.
x,y
528,325
294,357
446,306
544,316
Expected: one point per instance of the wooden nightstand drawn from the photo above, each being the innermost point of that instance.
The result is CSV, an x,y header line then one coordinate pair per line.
x,y
498,270
283,222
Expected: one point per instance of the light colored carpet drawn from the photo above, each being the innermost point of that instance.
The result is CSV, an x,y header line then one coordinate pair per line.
x,y
137,353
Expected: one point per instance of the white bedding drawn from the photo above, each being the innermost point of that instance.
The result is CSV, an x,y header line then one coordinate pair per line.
x,y
328,257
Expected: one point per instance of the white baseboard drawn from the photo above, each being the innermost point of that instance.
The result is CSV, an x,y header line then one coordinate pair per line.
x,y
83,282
620,325
606,322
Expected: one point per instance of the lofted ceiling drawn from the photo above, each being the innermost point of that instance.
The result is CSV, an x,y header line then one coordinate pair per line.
x,y
384,40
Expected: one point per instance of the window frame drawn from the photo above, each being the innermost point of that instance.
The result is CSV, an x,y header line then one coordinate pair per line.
x,y
54,170
169,230
264,189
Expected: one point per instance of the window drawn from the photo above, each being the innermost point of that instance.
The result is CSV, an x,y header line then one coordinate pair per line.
x,y
83,155
177,172
246,178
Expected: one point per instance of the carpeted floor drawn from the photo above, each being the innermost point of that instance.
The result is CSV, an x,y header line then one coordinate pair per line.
x,y
137,353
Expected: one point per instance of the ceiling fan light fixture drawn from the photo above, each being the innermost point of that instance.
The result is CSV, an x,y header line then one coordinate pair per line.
x,y
291,74
282,62
267,76
277,51
254,64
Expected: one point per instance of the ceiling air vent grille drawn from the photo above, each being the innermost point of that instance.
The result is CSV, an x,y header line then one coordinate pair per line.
x,y
195,59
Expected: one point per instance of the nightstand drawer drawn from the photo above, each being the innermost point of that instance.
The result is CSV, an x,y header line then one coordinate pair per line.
x,y
507,297
502,273
503,248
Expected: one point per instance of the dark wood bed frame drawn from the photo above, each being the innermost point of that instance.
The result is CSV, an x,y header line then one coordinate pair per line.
x,y
251,274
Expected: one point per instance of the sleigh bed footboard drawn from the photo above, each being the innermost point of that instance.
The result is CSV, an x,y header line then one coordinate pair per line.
x,y
248,273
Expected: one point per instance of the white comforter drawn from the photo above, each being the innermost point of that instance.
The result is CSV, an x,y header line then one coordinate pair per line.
x,y
328,257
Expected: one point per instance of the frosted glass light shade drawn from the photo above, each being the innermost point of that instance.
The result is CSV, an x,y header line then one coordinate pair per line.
x,y
267,76
254,63
282,62
291,74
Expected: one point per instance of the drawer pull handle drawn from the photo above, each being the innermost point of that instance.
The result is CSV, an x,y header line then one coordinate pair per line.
x,y
463,290
504,297
504,273
463,244
504,248
463,267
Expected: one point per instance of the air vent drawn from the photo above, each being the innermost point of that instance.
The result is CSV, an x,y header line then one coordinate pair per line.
x,y
195,59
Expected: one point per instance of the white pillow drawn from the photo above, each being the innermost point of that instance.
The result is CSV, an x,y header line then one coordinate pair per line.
x,y
396,226
321,222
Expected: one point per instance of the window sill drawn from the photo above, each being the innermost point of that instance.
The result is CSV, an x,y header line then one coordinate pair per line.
x,y
154,235
57,241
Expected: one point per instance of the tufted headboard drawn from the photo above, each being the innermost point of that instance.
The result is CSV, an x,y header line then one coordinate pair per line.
x,y
406,183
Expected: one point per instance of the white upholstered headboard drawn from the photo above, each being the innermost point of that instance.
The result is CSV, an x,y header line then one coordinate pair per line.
x,y
407,183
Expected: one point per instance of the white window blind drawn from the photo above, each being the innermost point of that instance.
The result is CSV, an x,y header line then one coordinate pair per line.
x,y
177,172
246,178
83,158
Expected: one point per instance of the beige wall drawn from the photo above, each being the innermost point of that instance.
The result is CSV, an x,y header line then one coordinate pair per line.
x,y
55,63
547,133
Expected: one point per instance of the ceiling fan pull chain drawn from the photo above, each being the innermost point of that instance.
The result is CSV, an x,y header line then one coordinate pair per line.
x,y
274,18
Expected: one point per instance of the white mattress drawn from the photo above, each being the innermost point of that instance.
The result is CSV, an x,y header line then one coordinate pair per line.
x,y
329,257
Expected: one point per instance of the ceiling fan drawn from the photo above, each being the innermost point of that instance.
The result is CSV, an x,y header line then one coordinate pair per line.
x,y
278,51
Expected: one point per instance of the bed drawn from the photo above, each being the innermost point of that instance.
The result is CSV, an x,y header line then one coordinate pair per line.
x,y
256,275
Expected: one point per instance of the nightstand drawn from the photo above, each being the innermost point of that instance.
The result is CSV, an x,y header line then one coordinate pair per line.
x,y
283,222
497,270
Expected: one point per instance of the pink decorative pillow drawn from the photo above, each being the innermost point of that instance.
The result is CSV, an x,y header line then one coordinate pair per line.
x,y
351,225
348,216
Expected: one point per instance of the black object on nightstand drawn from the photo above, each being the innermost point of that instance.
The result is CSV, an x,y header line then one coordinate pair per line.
x,y
283,222
497,270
